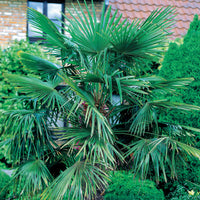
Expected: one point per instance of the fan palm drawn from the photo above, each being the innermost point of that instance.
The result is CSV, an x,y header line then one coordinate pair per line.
x,y
109,104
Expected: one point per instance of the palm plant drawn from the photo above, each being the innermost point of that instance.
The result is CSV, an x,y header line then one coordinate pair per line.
x,y
109,104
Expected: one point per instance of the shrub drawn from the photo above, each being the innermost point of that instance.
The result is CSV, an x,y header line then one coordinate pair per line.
x,y
10,63
4,180
2,165
181,193
184,61
124,187
187,176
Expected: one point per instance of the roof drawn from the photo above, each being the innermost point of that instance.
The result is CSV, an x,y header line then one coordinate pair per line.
x,y
185,10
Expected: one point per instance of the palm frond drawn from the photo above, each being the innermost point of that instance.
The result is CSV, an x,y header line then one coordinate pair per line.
x,y
142,121
159,85
163,104
143,39
91,35
48,30
183,133
38,64
42,91
33,177
97,120
77,182
160,153
29,130
93,149
130,86
144,118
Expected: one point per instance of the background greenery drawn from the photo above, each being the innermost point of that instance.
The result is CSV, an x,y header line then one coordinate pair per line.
x,y
10,63
183,60
4,185
124,187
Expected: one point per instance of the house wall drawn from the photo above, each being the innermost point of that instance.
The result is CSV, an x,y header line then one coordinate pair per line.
x,y
13,18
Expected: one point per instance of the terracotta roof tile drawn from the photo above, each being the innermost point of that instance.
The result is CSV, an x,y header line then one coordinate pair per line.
x,y
141,9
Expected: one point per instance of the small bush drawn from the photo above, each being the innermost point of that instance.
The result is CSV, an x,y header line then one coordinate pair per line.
x,y
181,193
10,63
4,182
124,187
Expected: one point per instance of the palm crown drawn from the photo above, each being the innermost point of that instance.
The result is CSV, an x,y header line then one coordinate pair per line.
x,y
109,103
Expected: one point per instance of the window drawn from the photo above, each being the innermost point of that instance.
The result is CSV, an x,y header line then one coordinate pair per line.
x,y
51,8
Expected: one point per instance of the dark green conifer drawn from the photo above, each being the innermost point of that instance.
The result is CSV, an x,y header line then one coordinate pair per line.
x,y
184,61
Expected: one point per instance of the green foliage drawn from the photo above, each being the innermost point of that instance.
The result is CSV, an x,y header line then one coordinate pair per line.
x,y
181,193
184,61
4,186
10,62
100,60
187,178
2,165
77,177
35,181
124,187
